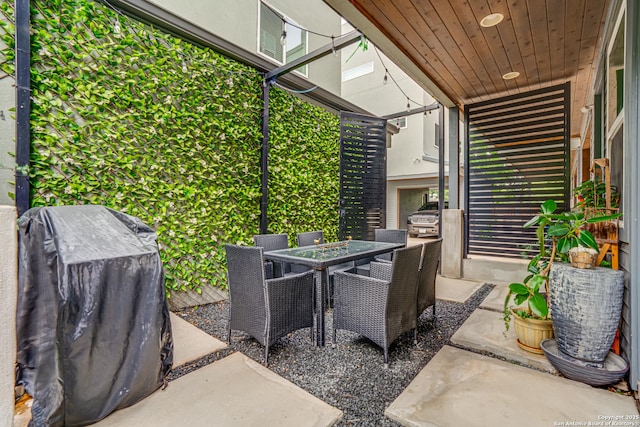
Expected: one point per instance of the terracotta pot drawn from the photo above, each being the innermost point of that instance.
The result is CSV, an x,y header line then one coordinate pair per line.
x,y
582,259
530,332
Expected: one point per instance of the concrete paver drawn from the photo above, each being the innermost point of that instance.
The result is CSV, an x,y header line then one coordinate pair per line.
x,y
456,290
232,391
484,331
191,343
495,299
461,388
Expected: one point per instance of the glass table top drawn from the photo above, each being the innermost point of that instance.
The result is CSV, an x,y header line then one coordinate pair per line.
x,y
344,250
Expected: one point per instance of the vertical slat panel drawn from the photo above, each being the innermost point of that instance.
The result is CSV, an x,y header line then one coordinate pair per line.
x,y
363,175
517,157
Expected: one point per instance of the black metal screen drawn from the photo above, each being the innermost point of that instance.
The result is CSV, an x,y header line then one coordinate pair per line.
x,y
517,156
363,175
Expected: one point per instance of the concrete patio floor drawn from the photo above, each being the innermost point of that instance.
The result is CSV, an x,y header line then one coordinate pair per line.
x,y
191,343
234,391
484,332
457,387
461,388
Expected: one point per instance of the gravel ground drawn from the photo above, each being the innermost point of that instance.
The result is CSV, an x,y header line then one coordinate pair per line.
x,y
350,376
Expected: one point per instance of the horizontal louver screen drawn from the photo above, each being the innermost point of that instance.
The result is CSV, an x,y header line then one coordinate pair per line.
x,y
363,175
517,157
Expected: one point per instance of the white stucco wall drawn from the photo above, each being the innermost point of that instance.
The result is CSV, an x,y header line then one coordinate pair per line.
x,y
393,187
237,22
405,157
8,300
7,137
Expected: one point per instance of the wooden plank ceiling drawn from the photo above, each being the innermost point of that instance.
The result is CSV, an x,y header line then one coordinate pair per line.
x,y
547,41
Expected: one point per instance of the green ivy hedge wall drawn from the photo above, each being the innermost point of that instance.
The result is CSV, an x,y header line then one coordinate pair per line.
x,y
127,116
304,168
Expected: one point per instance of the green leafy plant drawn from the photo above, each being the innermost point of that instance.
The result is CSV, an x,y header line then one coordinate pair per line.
x,y
557,234
304,169
130,117
528,291
592,194
563,230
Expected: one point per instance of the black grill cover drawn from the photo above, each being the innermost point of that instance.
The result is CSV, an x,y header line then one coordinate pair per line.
x,y
94,333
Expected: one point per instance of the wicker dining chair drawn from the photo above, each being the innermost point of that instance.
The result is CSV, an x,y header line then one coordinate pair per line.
x,y
389,236
266,309
427,278
309,238
380,307
382,235
272,242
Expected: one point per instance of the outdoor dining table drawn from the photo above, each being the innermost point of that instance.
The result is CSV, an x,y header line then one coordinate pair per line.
x,y
320,257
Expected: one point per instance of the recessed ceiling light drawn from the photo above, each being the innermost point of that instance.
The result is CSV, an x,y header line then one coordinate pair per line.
x,y
491,20
511,75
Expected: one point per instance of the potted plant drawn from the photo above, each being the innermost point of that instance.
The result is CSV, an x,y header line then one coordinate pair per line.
x,y
593,195
558,235
531,323
566,233
585,301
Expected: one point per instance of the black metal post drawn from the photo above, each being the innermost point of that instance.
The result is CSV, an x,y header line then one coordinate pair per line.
x,y
325,50
264,157
467,192
269,79
418,110
23,104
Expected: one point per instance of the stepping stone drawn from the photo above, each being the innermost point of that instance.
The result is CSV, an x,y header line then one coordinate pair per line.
x,y
232,391
495,299
484,331
461,388
191,343
456,290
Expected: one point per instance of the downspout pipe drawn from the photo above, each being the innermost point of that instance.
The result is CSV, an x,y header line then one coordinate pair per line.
x,y
23,104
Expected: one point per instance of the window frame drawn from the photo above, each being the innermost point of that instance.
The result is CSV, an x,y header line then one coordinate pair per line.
x,y
283,17
614,130
397,120
357,71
